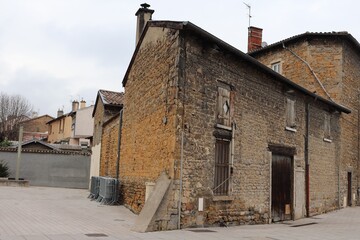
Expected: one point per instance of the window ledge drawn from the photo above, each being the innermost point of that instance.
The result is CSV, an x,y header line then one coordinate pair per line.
x,y
223,127
223,198
290,129
327,140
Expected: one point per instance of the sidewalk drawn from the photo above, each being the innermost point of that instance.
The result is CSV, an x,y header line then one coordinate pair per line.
x,y
61,214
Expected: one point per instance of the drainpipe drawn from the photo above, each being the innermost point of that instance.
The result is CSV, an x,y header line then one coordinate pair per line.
x,y
358,164
118,159
181,177
119,145
307,165
181,83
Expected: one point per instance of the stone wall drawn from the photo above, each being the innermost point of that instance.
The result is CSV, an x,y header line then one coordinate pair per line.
x,y
109,151
259,103
99,112
37,124
172,91
336,63
149,123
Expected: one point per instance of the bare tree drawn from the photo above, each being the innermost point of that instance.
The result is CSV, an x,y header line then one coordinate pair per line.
x,y
13,110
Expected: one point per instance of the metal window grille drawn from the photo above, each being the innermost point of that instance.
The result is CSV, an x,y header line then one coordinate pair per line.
x,y
222,170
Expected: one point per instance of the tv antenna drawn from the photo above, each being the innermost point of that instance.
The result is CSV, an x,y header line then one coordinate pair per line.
x,y
249,7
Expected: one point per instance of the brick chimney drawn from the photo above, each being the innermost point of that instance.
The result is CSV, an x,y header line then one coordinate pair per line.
x,y
254,38
144,14
75,106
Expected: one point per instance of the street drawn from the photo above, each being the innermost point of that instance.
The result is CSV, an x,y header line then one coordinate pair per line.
x,y
38,213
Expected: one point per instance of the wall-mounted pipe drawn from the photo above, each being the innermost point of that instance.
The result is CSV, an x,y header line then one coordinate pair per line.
x,y
119,145
307,165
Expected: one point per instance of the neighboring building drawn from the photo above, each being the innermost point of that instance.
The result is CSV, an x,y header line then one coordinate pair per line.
x,y
74,128
328,64
82,125
110,144
60,128
225,139
36,128
107,105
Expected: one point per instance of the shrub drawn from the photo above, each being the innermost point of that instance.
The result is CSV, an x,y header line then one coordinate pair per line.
x,y
5,143
4,169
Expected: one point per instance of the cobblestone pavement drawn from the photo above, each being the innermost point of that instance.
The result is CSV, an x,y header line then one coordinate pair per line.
x,y
66,214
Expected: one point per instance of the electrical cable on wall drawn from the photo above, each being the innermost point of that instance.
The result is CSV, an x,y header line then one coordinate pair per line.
x,y
311,70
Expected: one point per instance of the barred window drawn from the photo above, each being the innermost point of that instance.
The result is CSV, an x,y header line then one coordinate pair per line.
x,y
222,167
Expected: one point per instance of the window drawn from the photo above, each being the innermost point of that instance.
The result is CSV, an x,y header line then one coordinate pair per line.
x,y
223,106
290,114
222,167
276,66
327,127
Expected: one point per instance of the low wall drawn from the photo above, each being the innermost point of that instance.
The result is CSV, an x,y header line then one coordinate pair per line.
x,y
50,168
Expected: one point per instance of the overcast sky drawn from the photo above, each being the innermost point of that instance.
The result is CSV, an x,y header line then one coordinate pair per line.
x,y
56,51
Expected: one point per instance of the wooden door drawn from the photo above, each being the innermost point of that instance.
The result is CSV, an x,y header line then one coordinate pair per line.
x,y
281,188
349,197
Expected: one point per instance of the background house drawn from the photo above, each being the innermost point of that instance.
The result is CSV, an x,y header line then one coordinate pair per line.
x,y
60,128
328,64
220,135
82,125
36,128
74,128
107,105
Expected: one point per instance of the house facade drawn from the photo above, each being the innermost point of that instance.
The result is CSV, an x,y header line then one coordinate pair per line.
x,y
60,128
107,105
328,64
82,125
234,139
74,128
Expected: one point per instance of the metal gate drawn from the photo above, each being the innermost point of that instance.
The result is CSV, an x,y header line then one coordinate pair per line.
x,y
281,188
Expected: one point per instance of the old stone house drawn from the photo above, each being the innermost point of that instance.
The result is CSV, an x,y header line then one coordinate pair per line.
x,y
107,105
36,128
328,64
211,136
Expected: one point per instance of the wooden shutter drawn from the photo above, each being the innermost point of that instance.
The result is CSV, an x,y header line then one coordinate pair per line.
x,y
223,107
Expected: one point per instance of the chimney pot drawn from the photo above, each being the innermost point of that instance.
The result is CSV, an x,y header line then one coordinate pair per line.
x,y
82,104
254,38
60,113
75,106
144,15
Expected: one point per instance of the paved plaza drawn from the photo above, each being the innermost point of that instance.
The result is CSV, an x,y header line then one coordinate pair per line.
x,y
37,213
